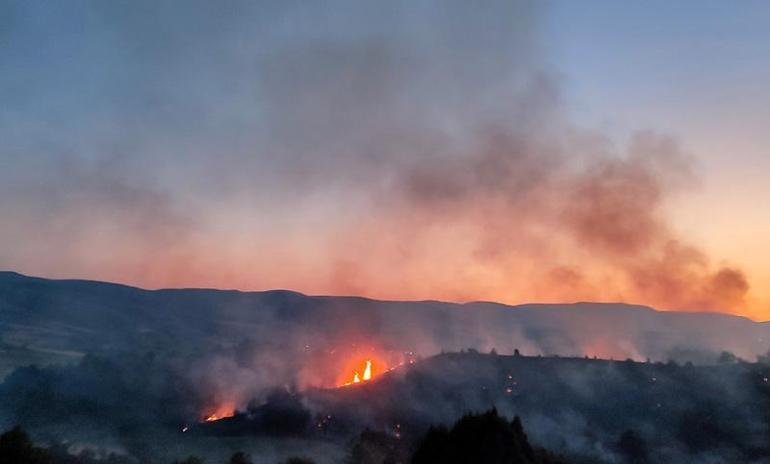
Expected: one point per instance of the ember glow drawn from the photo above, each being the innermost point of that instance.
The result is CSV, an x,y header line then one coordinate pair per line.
x,y
365,377
222,411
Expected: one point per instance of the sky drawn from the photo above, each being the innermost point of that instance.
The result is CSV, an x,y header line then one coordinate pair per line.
x,y
507,150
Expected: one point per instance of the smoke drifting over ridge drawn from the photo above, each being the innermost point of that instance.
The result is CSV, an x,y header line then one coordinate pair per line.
x,y
577,227
392,150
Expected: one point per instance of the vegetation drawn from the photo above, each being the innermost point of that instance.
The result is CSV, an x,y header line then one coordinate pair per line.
x,y
299,461
631,412
484,439
17,448
240,458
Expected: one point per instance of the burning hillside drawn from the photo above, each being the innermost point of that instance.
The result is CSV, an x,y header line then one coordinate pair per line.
x,y
221,411
575,406
364,377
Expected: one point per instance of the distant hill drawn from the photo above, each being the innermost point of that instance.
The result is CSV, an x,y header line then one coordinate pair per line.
x,y
53,321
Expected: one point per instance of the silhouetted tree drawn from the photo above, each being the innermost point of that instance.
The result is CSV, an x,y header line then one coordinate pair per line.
x,y
433,447
633,448
296,460
483,439
17,448
240,458
727,357
191,460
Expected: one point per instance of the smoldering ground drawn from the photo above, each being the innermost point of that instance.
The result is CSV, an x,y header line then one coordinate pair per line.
x,y
581,408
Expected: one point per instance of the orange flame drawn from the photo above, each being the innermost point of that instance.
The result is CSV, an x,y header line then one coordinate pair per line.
x,y
358,378
222,411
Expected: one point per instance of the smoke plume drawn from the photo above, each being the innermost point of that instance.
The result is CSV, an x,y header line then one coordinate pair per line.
x,y
392,150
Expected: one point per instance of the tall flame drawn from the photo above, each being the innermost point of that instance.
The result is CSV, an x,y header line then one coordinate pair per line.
x,y
366,376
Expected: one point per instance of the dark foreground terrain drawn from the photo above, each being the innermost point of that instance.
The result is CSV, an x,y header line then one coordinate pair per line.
x,y
584,410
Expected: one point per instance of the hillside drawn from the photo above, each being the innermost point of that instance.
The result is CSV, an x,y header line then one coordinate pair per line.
x,y
581,408
47,321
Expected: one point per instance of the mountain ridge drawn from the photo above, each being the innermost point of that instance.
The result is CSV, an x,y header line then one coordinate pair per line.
x,y
537,305
46,321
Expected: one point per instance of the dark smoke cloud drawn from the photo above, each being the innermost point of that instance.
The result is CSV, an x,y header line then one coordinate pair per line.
x,y
402,150
549,201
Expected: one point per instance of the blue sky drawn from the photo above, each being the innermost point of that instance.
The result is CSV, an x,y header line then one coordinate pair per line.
x,y
698,70
263,144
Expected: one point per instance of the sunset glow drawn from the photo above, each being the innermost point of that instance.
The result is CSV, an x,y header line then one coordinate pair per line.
x,y
514,168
